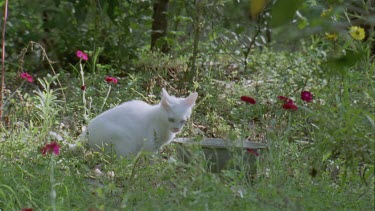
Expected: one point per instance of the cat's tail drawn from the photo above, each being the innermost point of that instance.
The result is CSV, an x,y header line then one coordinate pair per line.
x,y
80,140
83,134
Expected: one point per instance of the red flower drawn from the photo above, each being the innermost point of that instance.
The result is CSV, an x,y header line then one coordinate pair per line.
x,y
83,87
26,76
289,105
111,79
306,96
248,99
53,147
283,98
27,209
252,151
82,55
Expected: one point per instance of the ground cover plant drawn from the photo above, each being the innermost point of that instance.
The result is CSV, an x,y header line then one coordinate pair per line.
x,y
311,102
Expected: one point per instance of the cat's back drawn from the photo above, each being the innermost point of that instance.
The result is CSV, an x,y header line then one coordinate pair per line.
x,y
135,105
130,109
121,126
124,118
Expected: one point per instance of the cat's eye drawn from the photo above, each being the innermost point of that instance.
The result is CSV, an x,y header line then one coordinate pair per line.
x,y
171,120
183,121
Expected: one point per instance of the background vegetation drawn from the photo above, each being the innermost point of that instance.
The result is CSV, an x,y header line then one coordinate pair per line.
x,y
320,156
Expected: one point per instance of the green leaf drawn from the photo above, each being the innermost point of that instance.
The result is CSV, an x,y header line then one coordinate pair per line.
x,y
112,9
326,156
303,23
81,11
283,11
371,120
256,7
340,64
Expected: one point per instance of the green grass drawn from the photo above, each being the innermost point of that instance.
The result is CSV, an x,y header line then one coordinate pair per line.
x,y
160,185
319,157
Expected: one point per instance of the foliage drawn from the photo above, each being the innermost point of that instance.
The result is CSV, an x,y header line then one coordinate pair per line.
x,y
312,139
319,153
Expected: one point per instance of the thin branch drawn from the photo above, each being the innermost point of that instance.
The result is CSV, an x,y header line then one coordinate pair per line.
x,y
3,61
246,54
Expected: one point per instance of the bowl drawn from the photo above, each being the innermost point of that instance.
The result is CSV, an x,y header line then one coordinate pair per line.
x,y
220,154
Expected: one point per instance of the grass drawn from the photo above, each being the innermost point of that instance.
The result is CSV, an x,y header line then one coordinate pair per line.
x,y
320,157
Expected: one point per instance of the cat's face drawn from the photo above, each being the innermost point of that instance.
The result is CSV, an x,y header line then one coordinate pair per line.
x,y
178,110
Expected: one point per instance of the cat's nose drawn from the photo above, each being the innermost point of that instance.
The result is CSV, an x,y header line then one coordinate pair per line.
x,y
175,130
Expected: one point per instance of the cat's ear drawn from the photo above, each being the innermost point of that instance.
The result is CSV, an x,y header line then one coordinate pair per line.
x,y
164,100
164,93
190,100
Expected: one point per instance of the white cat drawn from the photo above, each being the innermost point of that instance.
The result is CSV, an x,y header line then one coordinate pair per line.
x,y
136,125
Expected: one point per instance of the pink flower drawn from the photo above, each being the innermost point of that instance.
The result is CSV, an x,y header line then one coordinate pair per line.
x,y
289,105
111,79
83,87
26,76
82,55
252,151
306,96
248,99
27,209
283,98
53,147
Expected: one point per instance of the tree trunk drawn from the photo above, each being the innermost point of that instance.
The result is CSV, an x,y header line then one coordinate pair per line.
x,y
159,26
197,28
